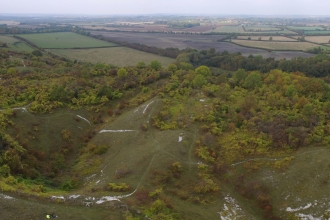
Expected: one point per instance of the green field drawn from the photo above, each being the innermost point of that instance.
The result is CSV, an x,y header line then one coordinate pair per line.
x,y
317,32
276,45
15,44
62,40
118,56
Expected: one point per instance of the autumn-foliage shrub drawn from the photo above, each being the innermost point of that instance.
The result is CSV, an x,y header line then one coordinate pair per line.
x,y
120,187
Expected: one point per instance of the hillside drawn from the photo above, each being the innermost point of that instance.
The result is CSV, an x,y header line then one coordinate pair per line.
x,y
185,142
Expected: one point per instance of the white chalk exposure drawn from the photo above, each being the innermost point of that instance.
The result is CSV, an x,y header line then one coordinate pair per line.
x,y
58,197
87,178
74,196
307,217
231,210
180,138
6,197
147,107
113,198
300,208
114,131
84,119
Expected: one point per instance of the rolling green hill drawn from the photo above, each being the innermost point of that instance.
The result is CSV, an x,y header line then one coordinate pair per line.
x,y
183,142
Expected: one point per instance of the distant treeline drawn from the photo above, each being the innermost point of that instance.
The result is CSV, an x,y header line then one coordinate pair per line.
x,y
46,29
182,25
318,66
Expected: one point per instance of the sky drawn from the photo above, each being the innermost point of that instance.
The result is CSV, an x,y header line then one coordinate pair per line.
x,y
115,7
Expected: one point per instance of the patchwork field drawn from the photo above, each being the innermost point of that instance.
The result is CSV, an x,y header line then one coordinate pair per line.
x,y
118,56
199,42
276,45
266,38
258,28
65,40
15,44
261,28
306,28
228,29
148,28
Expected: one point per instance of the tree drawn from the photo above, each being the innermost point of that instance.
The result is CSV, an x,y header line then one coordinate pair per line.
x,y
290,91
37,53
270,38
203,70
239,76
249,38
253,81
141,65
172,67
11,71
259,38
122,73
199,81
156,65
185,66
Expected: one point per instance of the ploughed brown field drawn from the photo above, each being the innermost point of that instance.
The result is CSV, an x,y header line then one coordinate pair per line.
x,y
199,42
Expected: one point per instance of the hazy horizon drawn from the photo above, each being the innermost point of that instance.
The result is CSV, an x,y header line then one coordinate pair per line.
x,y
171,7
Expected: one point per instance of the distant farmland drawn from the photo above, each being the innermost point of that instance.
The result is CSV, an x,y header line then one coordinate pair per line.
x,y
118,56
306,28
250,29
199,42
276,45
261,28
318,39
229,29
61,40
266,38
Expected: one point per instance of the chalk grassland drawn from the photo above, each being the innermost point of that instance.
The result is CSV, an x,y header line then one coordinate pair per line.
x,y
318,39
276,45
15,208
266,38
62,40
15,44
118,56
